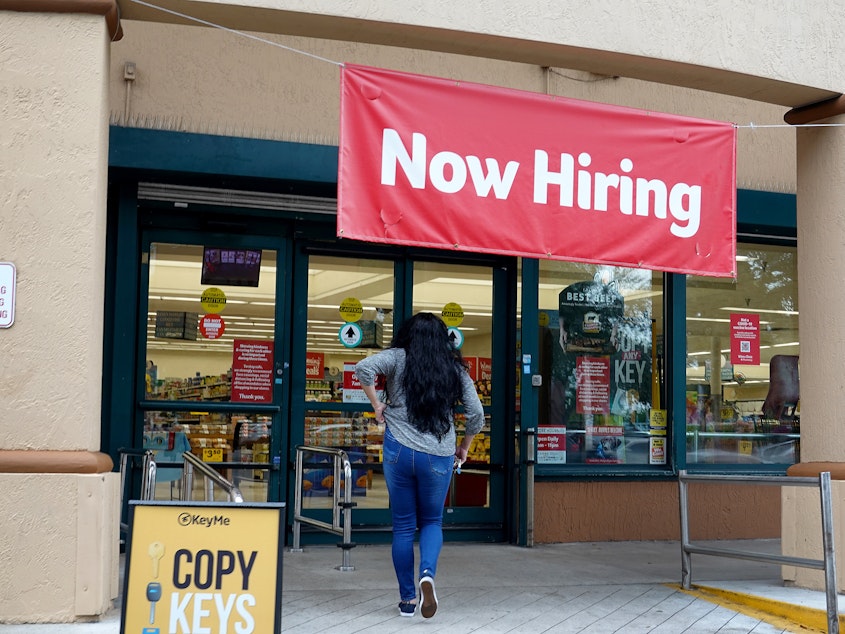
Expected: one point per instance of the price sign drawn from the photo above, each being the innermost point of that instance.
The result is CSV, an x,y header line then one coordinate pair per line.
x,y
212,454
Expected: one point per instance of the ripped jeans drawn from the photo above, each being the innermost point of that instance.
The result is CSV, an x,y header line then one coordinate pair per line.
x,y
417,483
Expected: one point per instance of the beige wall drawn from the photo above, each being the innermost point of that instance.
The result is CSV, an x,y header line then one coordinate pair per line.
x,y
58,531
60,546
755,49
205,80
53,151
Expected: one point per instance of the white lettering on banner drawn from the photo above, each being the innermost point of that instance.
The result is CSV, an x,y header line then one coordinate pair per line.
x,y
414,167
597,186
447,171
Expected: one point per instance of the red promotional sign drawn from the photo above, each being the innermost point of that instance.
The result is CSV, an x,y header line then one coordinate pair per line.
x,y
450,164
252,371
745,339
315,365
592,385
212,326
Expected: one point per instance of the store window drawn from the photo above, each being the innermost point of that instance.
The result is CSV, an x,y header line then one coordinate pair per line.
x,y
601,359
742,361
210,339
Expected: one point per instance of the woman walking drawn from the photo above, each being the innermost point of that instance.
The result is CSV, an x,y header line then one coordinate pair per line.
x,y
426,378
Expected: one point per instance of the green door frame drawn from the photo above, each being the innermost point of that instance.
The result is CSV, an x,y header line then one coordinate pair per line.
x,y
281,348
462,524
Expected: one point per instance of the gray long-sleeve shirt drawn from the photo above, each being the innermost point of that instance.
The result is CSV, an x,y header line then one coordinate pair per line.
x,y
391,363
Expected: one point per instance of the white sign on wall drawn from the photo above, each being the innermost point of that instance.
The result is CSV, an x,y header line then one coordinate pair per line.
x,y
7,294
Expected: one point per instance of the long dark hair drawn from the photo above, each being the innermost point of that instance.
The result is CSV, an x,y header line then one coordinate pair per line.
x,y
433,367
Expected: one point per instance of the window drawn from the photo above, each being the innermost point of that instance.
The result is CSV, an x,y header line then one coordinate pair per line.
x,y
742,361
601,360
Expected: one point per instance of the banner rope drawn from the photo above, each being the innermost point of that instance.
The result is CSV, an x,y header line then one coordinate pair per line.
x,y
754,126
236,32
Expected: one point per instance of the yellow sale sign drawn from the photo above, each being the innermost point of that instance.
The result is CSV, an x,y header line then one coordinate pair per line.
x,y
203,568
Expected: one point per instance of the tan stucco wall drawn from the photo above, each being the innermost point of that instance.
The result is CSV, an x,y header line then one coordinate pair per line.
x,y
59,545
53,162
58,532
756,49
821,226
205,80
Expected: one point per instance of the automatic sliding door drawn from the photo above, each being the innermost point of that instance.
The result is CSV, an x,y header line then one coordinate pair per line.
x,y
350,315
210,357
463,296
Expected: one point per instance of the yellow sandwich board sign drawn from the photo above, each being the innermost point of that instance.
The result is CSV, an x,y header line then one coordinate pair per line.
x,y
195,567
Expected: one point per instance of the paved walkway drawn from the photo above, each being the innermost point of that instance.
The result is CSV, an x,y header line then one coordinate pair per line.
x,y
597,588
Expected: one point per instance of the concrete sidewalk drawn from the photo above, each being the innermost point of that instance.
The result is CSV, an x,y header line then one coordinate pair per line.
x,y
597,587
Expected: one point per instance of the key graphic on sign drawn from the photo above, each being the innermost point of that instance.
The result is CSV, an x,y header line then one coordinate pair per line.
x,y
153,595
156,552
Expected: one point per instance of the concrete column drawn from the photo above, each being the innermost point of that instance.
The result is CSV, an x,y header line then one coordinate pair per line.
x,y
59,498
821,294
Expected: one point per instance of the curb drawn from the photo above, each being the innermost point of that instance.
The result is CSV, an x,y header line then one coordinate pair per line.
x,y
777,613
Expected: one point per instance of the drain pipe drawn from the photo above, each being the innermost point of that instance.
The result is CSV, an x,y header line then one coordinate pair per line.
x,y
128,79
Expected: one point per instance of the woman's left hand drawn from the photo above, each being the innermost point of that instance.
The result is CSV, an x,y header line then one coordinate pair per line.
x,y
379,408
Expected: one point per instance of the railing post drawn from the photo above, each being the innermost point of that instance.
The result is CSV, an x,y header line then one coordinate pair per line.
x,y
347,545
188,482
297,504
341,523
829,554
148,485
686,557
530,461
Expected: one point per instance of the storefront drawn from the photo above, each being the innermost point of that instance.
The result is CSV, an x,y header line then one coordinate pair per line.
x,y
238,315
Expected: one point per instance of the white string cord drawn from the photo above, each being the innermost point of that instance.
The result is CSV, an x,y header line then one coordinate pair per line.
x,y
236,32
752,126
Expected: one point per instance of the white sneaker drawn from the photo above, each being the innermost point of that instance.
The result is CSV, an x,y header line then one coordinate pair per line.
x,y
428,597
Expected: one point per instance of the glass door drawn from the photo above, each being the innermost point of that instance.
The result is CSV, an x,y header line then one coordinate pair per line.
x,y
463,294
213,358
352,306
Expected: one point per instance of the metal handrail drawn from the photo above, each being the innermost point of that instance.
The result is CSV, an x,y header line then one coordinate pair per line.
x,y
341,511
148,473
828,563
211,478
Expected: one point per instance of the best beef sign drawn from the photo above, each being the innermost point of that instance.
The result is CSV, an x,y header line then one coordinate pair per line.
x,y
449,164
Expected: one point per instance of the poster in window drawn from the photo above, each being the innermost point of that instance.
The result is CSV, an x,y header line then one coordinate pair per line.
x,y
600,373
252,371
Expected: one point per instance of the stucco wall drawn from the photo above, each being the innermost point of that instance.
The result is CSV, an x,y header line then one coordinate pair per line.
x,y
198,79
757,49
53,149
59,545
58,532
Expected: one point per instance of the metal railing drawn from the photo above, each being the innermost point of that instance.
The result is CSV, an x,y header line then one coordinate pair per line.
x,y
827,563
341,523
211,478
148,475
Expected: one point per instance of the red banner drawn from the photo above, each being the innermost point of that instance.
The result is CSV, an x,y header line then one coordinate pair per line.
x,y
450,164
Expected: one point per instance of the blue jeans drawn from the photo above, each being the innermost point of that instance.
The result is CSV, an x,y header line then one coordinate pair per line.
x,y
417,483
